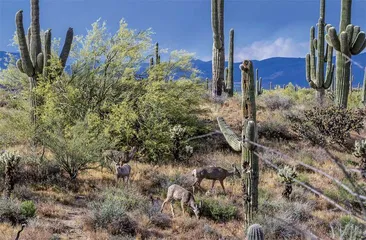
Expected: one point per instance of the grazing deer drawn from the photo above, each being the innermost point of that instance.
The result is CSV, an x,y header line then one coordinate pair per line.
x,y
176,192
122,172
213,173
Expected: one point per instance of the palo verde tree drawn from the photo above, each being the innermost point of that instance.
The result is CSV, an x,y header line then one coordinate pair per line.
x,y
33,60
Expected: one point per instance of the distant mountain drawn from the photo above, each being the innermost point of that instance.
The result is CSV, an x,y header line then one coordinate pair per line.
x,y
277,70
281,70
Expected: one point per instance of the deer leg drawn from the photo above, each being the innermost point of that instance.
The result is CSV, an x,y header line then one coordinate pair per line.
x,y
182,205
116,181
222,185
162,205
213,184
172,208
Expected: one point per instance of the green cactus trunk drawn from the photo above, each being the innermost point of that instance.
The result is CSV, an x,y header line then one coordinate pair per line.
x,y
315,60
32,60
218,50
230,77
350,41
364,88
157,56
250,171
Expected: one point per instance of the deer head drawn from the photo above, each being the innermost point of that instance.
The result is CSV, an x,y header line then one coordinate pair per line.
x,y
132,153
197,209
236,171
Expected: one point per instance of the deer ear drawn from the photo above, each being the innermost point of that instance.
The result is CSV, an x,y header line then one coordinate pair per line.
x,y
132,153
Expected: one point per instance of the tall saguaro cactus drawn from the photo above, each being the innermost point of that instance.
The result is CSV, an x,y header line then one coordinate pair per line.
x,y
230,77
218,50
315,62
350,41
157,56
364,89
32,60
258,83
250,169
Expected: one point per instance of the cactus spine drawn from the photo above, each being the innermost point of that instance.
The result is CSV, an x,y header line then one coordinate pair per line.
x,y
350,41
315,64
250,170
364,88
255,232
230,76
218,50
32,60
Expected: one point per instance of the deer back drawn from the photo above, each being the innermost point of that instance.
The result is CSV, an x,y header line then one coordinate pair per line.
x,y
213,173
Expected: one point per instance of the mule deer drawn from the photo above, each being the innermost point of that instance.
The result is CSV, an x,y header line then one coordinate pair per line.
x,y
176,192
122,172
213,173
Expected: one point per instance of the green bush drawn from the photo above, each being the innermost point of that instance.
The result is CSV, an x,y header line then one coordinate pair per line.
x,y
28,209
218,210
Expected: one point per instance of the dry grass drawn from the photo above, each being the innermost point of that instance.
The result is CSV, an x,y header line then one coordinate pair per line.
x,y
58,208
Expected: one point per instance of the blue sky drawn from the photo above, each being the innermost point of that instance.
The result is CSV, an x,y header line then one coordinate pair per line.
x,y
263,28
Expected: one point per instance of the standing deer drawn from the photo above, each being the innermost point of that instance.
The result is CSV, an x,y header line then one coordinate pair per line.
x,y
122,172
213,173
176,192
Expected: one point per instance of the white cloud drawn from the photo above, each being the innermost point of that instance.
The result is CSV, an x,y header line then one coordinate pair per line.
x,y
281,47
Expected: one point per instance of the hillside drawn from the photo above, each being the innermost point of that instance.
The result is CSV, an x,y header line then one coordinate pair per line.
x,y
277,70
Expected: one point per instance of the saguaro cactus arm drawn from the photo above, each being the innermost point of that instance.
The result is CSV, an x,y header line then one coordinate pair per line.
x,y
26,62
67,47
232,139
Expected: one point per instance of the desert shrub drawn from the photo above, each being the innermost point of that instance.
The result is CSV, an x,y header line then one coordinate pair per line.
x,y
347,228
9,211
111,211
161,220
277,102
28,209
110,215
327,125
274,130
218,211
23,192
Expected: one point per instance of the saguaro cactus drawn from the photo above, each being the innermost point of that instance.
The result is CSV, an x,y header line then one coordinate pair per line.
x,y
151,62
230,77
218,50
157,56
364,89
315,64
250,172
32,60
258,82
255,232
350,41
